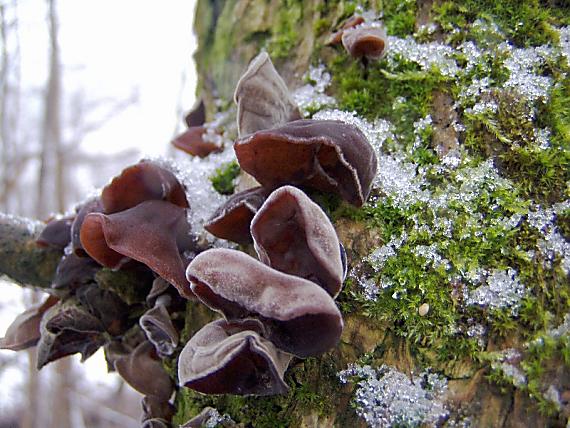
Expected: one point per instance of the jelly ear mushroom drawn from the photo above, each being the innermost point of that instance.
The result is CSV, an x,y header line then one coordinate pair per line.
x,y
193,142
158,327
92,206
368,40
262,98
230,358
336,37
293,235
196,116
24,331
299,316
143,370
232,220
56,234
153,233
142,182
327,155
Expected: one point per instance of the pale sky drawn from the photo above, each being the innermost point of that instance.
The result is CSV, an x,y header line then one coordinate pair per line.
x,y
110,50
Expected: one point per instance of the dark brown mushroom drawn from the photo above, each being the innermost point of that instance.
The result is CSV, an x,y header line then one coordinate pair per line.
x,y
366,40
293,235
158,327
192,141
24,331
142,182
143,370
92,206
232,220
299,316
153,233
73,271
262,98
327,155
157,409
68,328
336,37
196,116
56,234
231,358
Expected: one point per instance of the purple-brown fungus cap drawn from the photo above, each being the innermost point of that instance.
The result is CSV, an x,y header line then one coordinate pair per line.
x,y
232,220
293,235
92,206
192,142
366,40
141,182
327,155
299,316
232,358
158,327
153,233
262,98
56,234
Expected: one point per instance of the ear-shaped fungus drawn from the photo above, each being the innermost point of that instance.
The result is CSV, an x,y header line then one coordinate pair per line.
x,y
293,235
327,155
56,234
73,271
158,327
153,233
262,98
142,182
66,329
192,141
350,23
366,40
142,369
231,358
156,412
92,206
197,116
232,220
24,331
299,316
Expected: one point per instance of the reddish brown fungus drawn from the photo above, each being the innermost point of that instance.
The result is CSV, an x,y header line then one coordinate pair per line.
x,y
367,40
92,206
336,37
262,98
142,182
143,370
192,141
232,220
293,235
300,317
153,233
197,116
327,155
24,331
56,234
230,358
158,327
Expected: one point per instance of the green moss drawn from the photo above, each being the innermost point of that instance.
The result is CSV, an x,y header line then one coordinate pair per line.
x,y
400,17
285,35
223,179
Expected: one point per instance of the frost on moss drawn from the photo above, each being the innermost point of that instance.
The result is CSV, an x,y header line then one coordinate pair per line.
x,y
386,397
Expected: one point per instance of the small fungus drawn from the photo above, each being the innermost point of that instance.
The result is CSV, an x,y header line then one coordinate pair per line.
x,y
158,327
231,358
327,155
196,116
143,370
351,22
153,233
73,271
192,141
24,331
299,316
56,234
262,98
141,182
365,40
293,235
92,206
156,412
68,328
232,220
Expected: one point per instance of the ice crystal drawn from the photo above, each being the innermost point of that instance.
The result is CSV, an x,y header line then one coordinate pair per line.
x,y
562,330
379,256
483,107
554,245
564,43
431,256
312,95
386,397
506,361
477,331
400,181
32,226
419,127
542,137
427,56
502,290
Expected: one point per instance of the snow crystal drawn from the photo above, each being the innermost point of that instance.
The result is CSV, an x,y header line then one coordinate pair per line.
x,y
312,95
502,290
505,362
432,257
562,329
400,181
542,137
428,55
379,256
564,35
477,331
483,107
386,397
32,226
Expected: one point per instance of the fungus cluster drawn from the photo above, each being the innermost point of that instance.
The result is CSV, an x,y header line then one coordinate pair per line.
x,y
275,307
361,38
